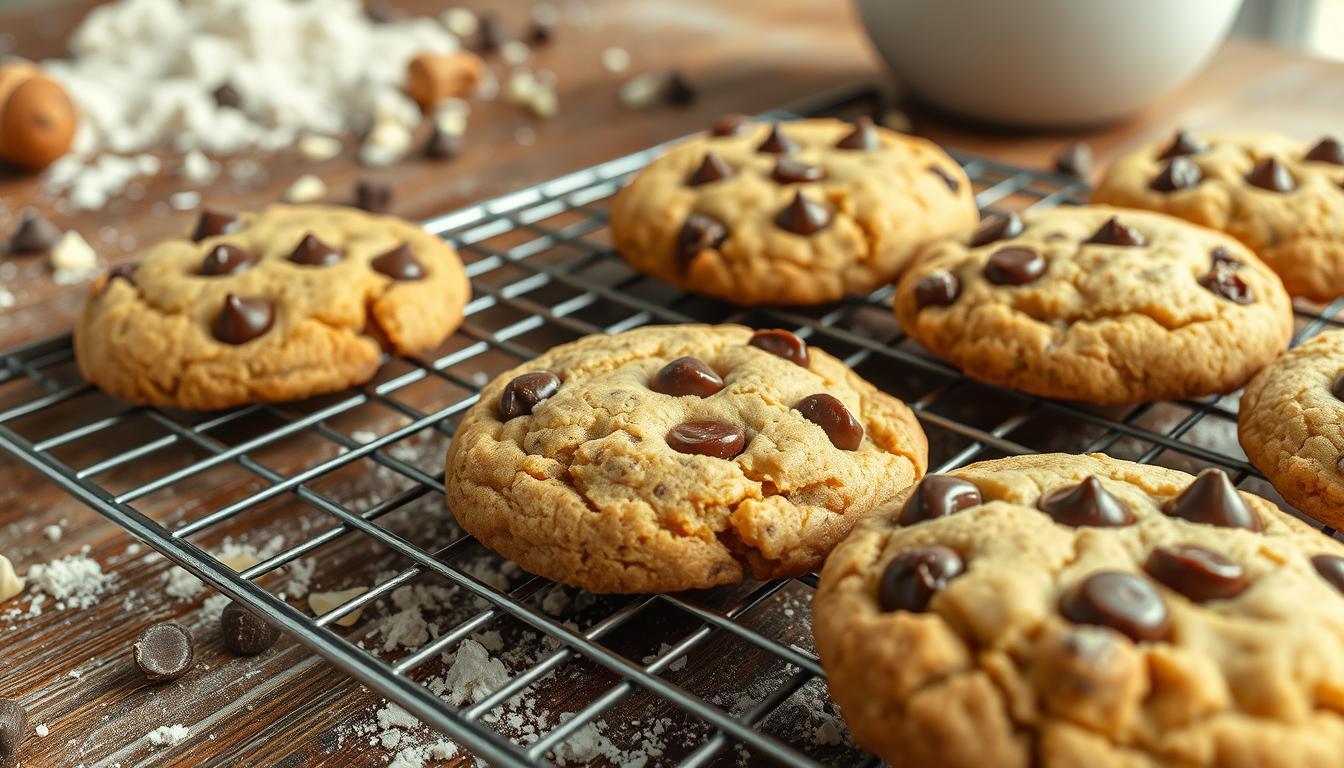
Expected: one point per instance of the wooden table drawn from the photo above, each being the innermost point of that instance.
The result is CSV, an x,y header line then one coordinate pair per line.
x,y
288,707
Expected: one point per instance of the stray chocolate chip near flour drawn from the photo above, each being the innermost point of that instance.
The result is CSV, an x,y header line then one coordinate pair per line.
x,y
244,632
164,651
13,730
35,234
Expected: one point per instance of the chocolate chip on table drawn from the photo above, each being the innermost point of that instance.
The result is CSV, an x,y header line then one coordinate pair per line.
x,y
717,439
225,259
243,319
1213,500
442,146
1271,174
827,412
399,263
1327,150
1223,259
244,632
712,169
1114,233
1121,601
227,96
1182,144
700,232
730,125
1086,504
864,136
677,90
686,376
35,234
1179,173
523,393
782,343
13,730
777,143
911,580
951,181
372,196
213,223
1014,265
938,496
164,651
793,172
491,32
939,289
312,252
1228,284
995,227
1075,160
802,216
1198,573
541,32
1330,568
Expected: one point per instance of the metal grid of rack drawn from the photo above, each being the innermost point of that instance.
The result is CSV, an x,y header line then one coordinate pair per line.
x,y
543,273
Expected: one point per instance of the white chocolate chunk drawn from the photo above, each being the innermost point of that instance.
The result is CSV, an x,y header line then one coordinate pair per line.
x,y
321,602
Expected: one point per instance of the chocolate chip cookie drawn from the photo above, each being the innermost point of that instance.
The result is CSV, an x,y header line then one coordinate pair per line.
x,y
290,302
1100,304
1062,611
792,213
1280,196
677,457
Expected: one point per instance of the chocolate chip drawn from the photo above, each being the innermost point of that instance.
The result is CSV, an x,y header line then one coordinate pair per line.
x,y
1179,173
939,289
379,13
225,259
793,172
730,125
227,96
938,496
1272,175
911,580
213,223
864,136
1198,573
1086,504
312,252
711,169
677,90
995,227
35,234
1223,259
523,393
700,232
13,730
243,319
442,146
951,181
777,143
1075,160
1182,144
541,32
1337,389
1228,284
1330,568
707,438
1327,150
782,343
244,632
399,263
123,271
802,216
1118,600
1213,500
491,33
686,376
372,196
827,412
1115,233
164,651
1014,265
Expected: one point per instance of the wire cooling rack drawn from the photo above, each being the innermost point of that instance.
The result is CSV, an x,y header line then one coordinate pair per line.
x,y
543,273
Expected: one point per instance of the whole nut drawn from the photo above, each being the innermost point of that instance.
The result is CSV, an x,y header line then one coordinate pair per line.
x,y
433,77
37,118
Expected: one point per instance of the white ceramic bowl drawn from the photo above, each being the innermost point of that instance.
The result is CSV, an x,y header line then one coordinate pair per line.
x,y
1039,63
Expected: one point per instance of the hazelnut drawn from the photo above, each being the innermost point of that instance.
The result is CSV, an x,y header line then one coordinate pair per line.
x,y
37,118
433,77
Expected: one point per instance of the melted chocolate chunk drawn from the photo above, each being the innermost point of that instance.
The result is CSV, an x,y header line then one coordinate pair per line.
x,y
863,137
1272,175
686,376
995,227
227,96
1086,504
827,412
1228,284
711,169
225,259
36,234
802,216
13,730
939,289
1198,573
213,223
312,252
1212,500
1223,259
164,651
399,263
782,343
1014,265
730,125
123,271
717,439
1115,233
1075,160
911,580
951,181
939,496
777,143
1182,144
1121,601
1327,150
243,319
523,393
1330,568
793,172
1179,173
372,196
700,232
244,632
1337,389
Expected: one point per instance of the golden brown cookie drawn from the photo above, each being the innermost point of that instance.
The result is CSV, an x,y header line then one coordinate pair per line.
x,y
801,212
1099,304
677,457
1064,611
287,303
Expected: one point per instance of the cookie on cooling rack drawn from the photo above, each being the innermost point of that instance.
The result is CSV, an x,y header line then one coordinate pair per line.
x,y
1060,610
677,457
800,212
283,304
1099,304
1280,196
1291,425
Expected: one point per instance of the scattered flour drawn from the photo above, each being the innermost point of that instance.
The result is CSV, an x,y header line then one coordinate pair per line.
x,y
473,675
75,580
168,735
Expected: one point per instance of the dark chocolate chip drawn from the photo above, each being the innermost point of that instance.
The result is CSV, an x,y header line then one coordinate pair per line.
x,y
782,343
1115,233
677,90
378,12
1337,389
523,393
1014,265
243,319
225,259
802,216
164,651
827,412
793,172
1086,504
707,438
711,169
1179,173
442,146
938,496
213,223
13,730
372,196
995,227
123,271
1223,259
730,125
1330,568
1121,601
1182,144
1228,284
864,136
1075,160
700,232
399,263
939,289
227,96
1198,573
1272,175
541,32
777,143
951,181
312,252
1327,150
911,580
1213,500
686,376
35,234
491,33
244,632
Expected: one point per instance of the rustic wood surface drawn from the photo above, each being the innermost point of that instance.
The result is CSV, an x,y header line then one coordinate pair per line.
x,y
289,707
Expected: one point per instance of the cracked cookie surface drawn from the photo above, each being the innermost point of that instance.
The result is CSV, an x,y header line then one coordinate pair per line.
x,y
1099,304
1063,611
279,305
1280,196
721,213
614,464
